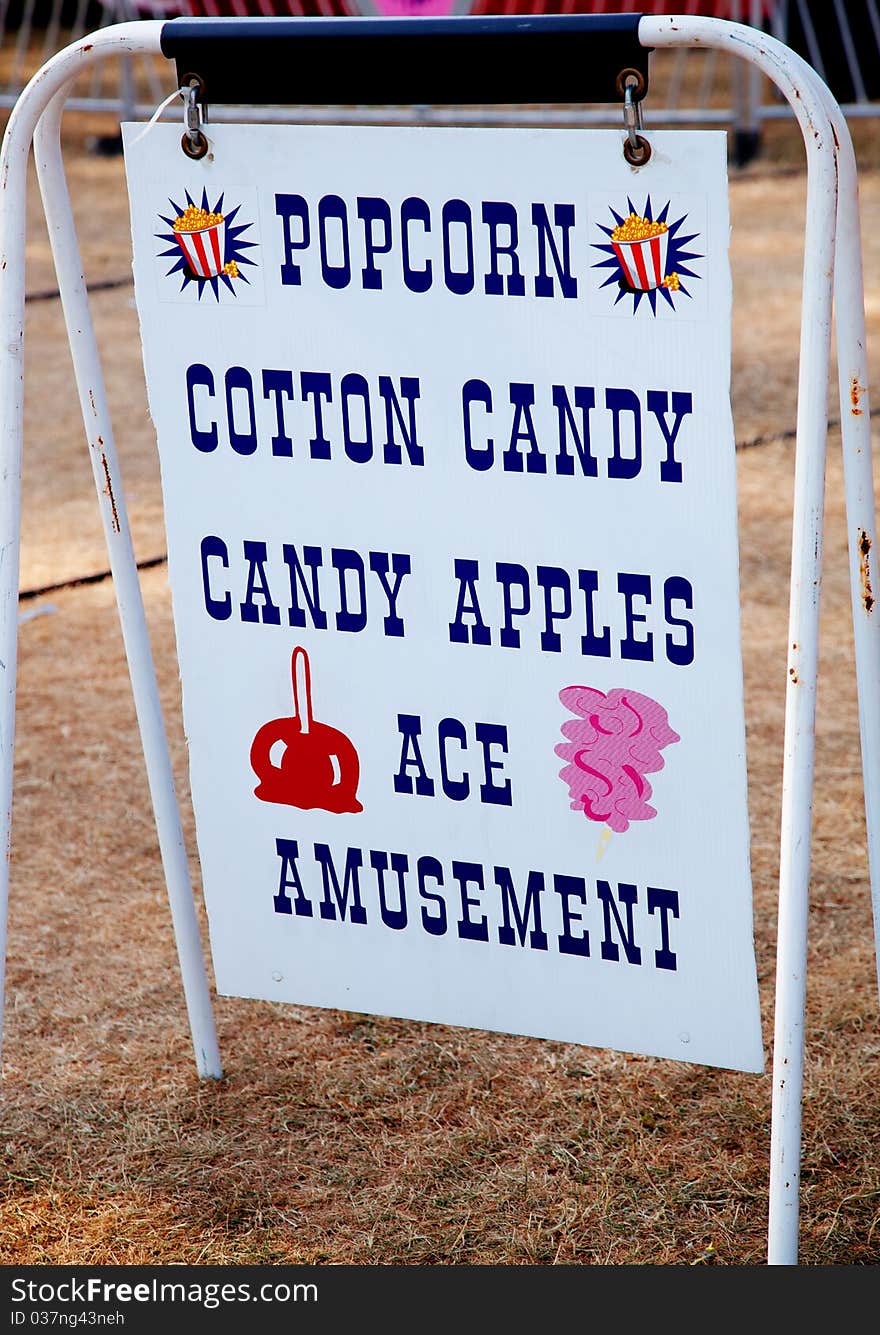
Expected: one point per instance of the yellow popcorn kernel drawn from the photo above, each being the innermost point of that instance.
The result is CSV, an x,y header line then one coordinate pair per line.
x,y
671,281
196,220
637,228
231,269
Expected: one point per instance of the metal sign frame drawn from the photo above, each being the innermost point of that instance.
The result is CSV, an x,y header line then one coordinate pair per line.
x,y
832,244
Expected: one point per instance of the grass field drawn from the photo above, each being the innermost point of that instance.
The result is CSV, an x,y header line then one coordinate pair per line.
x,y
340,1138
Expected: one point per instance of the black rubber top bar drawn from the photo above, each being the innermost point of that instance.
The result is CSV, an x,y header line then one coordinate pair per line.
x,y
547,58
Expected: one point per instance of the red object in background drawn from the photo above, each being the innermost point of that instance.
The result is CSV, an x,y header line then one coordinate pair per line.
x,y
713,9
243,9
717,9
319,767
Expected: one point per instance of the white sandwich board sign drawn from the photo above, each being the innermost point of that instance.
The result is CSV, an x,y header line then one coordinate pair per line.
x,y
449,485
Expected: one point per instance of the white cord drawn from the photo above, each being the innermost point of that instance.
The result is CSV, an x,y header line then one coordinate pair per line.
x,y
178,92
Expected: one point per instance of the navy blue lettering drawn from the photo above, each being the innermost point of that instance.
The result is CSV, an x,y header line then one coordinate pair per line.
x,y
400,566
451,730
409,388
203,439
682,404
625,401
345,561
667,902
509,575
276,384
568,888
489,735
394,918
635,586
476,391
256,555
288,852
510,908
470,873
460,281
331,208
550,578
353,862
522,396
434,924
372,210
500,214
597,646
237,378
219,608
467,573
584,399
312,558
354,386
521,905
316,384
288,207
628,895
675,590
414,210
410,728
563,217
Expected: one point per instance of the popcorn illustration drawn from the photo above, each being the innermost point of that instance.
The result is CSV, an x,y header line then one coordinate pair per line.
x,y
640,246
202,238
613,743
206,245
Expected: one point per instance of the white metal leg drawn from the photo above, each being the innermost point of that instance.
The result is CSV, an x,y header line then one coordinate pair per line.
x,y
860,510
849,310
809,104
105,469
48,90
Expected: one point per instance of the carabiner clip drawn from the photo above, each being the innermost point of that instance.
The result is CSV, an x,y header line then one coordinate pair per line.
x,y
193,143
636,149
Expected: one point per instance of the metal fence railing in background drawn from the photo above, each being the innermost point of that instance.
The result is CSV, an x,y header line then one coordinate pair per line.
x,y
839,38
31,31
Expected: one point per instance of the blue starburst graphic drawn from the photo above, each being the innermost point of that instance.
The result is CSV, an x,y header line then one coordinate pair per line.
x,y
678,258
234,248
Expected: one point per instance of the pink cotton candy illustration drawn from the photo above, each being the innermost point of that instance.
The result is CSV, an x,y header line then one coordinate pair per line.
x,y
613,743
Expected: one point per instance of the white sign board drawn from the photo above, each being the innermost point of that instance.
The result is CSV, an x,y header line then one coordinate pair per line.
x,y
449,487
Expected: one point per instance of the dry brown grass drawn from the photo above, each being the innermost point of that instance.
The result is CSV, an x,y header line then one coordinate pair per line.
x,y
341,1138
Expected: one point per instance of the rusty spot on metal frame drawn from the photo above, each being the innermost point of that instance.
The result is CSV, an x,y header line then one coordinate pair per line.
x,y
792,672
109,492
92,402
865,570
855,393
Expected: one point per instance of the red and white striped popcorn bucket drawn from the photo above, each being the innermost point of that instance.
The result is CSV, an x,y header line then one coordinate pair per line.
x,y
643,263
204,249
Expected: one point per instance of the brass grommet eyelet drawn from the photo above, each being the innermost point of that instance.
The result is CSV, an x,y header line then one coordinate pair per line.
x,y
635,79
194,145
638,156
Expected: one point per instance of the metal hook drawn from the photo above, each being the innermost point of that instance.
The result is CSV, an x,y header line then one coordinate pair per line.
x,y
636,149
193,142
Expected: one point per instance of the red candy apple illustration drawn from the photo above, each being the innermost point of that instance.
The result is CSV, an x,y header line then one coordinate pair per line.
x,y
318,767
